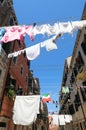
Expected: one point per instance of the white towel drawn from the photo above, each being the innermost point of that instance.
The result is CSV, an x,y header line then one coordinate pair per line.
x,y
33,52
25,109
68,118
61,120
49,44
55,119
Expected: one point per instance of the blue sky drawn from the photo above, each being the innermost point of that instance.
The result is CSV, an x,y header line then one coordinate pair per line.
x,y
48,67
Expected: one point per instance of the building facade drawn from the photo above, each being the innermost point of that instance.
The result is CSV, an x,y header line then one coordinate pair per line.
x,y
16,78
14,72
74,77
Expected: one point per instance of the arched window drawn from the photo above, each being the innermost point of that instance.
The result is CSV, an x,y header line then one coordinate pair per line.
x,y
22,70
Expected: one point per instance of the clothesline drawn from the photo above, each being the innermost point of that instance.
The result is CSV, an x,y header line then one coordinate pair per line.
x,y
60,119
34,51
32,103
18,32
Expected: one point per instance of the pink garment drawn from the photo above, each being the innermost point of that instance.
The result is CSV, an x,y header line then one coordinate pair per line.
x,y
29,31
17,32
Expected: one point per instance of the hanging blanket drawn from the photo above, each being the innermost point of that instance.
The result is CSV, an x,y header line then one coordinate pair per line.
x,y
25,109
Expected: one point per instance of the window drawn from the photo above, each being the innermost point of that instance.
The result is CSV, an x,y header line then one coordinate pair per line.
x,y
24,54
77,101
84,86
22,127
42,128
71,109
19,43
79,61
1,1
36,81
28,63
0,72
26,79
84,123
83,44
2,124
22,71
83,92
72,78
15,60
84,83
81,126
30,81
7,47
15,127
33,126
75,71
11,21
19,91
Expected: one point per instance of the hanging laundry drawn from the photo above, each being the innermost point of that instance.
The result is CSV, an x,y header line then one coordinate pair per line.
x,y
15,54
50,43
41,106
46,98
2,32
33,52
55,119
29,32
25,109
65,90
16,33
61,120
78,24
65,27
68,118
43,29
59,28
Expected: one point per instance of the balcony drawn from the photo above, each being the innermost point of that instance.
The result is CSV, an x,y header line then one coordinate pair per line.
x,y
64,102
34,86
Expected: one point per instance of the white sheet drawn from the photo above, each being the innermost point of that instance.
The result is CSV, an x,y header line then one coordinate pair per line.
x,y
25,109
